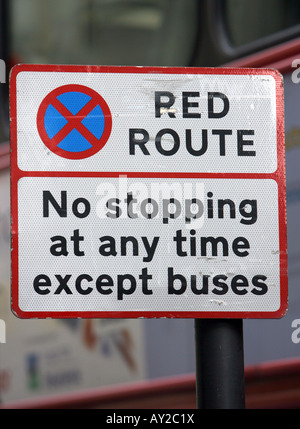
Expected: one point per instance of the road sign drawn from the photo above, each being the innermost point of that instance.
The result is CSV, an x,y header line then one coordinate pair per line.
x,y
147,192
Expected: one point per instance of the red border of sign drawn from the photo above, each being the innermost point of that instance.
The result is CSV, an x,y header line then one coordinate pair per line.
x,y
278,176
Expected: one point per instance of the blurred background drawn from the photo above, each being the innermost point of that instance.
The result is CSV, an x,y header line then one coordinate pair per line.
x,y
140,363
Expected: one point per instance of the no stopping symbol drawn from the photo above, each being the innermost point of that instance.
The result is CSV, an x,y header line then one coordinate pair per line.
x,y
74,121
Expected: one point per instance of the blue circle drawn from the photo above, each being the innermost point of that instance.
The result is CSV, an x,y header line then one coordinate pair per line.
x,y
54,121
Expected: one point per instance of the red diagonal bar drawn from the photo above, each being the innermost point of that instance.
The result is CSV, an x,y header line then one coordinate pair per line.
x,y
74,121
87,108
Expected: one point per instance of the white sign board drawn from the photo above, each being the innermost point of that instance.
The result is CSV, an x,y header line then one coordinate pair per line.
x,y
147,192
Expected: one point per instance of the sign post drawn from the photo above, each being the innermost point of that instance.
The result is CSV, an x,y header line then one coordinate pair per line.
x,y
148,192
219,364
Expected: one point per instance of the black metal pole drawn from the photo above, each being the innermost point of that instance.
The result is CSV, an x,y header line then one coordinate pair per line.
x,y
219,364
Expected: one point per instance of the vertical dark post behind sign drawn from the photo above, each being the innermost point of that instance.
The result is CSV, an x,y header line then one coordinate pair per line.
x,y
4,31
219,364
4,55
